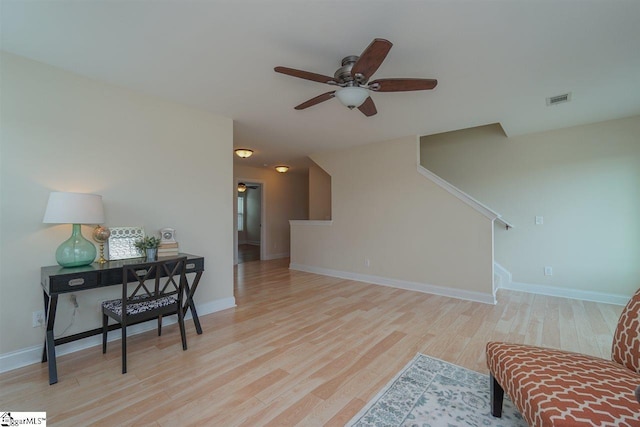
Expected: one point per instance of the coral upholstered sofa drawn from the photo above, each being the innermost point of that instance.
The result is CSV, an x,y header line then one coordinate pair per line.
x,y
559,388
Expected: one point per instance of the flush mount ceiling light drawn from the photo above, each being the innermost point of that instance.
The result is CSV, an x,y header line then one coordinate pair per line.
x,y
351,96
243,153
242,187
282,168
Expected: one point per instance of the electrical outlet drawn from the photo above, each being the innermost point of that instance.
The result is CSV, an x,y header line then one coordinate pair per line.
x,y
37,318
367,262
548,271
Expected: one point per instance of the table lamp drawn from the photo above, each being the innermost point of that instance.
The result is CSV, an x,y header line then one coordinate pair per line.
x,y
76,209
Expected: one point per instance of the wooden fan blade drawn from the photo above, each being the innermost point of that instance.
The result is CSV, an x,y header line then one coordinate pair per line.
x,y
317,100
402,85
304,75
371,58
368,108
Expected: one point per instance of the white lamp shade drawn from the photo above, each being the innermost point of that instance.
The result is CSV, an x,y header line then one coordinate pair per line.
x,y
74,208
352,97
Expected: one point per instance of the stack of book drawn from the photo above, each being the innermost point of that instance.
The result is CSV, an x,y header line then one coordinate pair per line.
x,y
168,249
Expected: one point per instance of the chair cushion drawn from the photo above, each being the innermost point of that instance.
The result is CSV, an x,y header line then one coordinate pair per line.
x,y
559,388
626,340
115,305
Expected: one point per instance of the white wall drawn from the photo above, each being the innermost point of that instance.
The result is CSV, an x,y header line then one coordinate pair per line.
x,y
583,181
413,232
155,163
286,197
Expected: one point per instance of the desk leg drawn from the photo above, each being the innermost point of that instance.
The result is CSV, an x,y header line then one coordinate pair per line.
x,y
46,310
50,345
191,290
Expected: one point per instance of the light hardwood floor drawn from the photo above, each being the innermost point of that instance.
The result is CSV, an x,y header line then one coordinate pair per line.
x,y
248,253
300,349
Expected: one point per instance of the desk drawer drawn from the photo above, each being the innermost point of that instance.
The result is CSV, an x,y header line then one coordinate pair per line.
x,y
72,282
114,276
194,265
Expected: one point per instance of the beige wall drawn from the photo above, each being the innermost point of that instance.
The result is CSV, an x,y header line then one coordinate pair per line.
x,y
583,181
286,197
319,193
155,163
408,228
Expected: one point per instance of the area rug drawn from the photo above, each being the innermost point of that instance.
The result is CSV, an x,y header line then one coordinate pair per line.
x,y
429,392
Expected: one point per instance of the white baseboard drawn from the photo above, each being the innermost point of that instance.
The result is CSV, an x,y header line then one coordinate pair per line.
x,y
28,356
578,294
401,284
276,256
253,242
213,306
503,280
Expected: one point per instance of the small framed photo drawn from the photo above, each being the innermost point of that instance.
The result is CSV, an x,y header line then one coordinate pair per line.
x,y
122,242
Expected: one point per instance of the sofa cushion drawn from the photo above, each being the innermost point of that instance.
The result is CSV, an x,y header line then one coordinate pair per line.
x,y
626,340
557,388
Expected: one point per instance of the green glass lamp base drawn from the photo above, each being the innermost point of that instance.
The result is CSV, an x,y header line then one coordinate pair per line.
x,y
76,251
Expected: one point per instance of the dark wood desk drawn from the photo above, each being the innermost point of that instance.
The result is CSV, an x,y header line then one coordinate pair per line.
x,y
57,280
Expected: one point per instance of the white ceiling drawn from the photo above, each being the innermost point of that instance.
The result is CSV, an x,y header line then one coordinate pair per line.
x,y
495,61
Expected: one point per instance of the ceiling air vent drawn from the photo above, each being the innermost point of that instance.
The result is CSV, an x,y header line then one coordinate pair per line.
x,y
559,99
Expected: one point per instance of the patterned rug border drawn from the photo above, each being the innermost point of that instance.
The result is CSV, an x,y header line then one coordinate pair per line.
x,y
379,398
384,389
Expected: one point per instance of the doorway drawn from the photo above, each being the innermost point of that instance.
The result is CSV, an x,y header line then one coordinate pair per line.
x,y
250,239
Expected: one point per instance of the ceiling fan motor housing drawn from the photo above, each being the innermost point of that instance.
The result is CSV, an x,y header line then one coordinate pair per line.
x,y
343,74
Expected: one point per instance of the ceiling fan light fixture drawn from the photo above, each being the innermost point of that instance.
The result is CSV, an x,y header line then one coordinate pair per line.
x,y
242,187
282,168
352,96
243,153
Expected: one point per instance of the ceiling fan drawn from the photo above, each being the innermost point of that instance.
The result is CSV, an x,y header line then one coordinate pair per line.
x,y
352,79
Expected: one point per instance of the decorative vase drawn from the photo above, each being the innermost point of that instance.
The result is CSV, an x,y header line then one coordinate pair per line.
x,y
151,254
76,250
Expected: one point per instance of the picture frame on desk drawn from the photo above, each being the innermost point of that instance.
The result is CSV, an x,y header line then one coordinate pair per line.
x,y
122,242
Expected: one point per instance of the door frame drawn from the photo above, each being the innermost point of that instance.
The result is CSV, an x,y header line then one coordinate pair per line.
x,y
263,215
